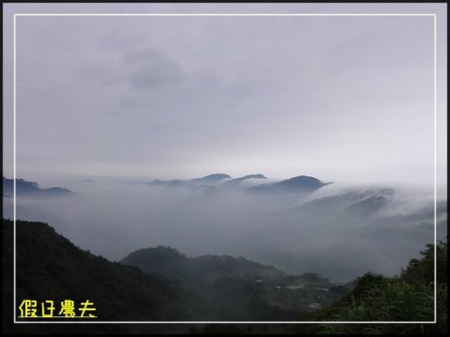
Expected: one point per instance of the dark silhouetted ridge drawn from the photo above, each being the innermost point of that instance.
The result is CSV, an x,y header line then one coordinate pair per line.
x,y
211,178
295,184
31,189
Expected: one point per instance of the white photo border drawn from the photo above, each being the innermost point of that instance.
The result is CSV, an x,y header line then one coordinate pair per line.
x,y
221,15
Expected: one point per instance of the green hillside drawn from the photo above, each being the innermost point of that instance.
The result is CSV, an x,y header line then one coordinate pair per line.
x,y
172,287
236,289
205,269
408,297
50,267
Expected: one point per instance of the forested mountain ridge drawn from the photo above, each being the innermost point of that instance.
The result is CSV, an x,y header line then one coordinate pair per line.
x,y
50,267
237,289
407,297
216,288
169,261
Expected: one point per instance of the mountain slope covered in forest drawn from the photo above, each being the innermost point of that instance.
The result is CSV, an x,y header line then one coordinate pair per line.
x,y
50,267
174,287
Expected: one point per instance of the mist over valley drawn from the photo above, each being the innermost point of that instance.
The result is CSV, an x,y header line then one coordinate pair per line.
x,y
300,224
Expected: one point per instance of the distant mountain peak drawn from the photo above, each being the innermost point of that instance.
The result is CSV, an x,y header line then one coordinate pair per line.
x,y
215,177
256,176
237,181
170,183
216,181
26,188
296,184
302,180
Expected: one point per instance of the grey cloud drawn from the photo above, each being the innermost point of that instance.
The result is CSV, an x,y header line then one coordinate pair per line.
x,y
149,69
281,95
320,232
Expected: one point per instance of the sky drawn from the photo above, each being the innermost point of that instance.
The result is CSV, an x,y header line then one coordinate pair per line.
x,y
336,97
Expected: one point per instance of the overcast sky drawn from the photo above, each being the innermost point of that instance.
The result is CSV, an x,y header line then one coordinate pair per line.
x,y
339,98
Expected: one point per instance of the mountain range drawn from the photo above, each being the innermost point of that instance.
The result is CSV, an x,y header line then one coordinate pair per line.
x,y
296,235
155,284
252,182
299,224
31,189
168,285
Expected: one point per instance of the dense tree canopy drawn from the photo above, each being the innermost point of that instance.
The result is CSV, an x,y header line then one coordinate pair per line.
x,y
171,286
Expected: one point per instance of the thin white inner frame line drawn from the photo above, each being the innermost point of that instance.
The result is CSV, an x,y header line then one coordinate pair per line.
x,y
435,163
226,15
